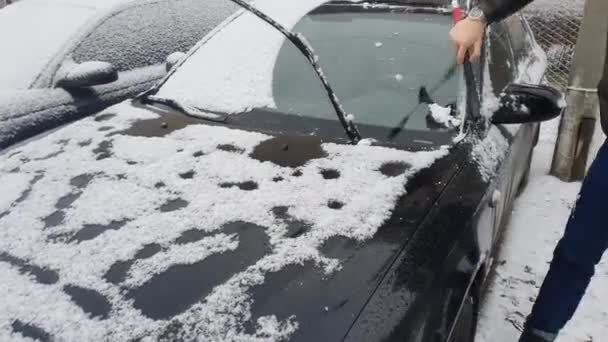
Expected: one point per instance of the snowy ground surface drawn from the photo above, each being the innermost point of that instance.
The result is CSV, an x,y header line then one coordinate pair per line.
x,y
538,221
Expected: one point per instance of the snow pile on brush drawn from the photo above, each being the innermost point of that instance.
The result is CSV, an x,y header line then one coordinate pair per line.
x,y
443,116
85,199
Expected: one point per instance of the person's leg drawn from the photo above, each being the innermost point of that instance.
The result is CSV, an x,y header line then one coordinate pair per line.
x,y
574,260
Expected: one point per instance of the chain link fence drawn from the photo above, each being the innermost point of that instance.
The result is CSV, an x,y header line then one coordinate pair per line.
x,y
555,24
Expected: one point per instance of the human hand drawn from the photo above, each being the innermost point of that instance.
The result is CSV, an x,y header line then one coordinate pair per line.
x,y
467,36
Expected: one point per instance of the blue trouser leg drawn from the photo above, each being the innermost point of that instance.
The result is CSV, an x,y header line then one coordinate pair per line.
x,y
581,248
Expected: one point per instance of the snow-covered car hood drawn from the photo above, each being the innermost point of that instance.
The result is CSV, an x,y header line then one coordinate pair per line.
x,y
110,235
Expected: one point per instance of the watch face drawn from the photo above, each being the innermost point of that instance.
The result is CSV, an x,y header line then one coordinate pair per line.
x,y
476,13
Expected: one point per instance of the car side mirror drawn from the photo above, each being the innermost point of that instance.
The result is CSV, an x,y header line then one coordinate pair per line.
x,y
173,59
87,74
522,103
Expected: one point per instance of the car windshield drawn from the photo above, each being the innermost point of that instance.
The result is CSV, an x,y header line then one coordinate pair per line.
x,y
377,61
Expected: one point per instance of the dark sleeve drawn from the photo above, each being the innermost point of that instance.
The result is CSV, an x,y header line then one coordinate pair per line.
x,y
496,10
602,91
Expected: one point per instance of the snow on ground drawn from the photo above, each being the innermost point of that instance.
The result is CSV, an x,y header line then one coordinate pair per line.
x,y
538,222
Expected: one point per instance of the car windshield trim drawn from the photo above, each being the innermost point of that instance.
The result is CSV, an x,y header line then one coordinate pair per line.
x,y
192,111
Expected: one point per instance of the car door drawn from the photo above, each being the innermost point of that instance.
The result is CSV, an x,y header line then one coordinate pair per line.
x,y
503,64
490,179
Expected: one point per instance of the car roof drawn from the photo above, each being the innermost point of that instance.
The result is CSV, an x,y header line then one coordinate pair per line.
x,y
34,54
417,3
21,25
90,4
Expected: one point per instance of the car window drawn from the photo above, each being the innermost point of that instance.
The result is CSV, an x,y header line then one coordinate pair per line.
x,y
499,59
519,37
378,63
146,34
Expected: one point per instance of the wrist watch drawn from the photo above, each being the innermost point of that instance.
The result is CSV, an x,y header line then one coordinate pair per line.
x,y
476,14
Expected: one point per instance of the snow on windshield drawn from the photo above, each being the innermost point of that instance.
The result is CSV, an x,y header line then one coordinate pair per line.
x,y
254,47
93,213
31,34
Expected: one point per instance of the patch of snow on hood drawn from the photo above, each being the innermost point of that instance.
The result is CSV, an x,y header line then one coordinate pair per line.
x,y
97,4
88,178
13,185
250,47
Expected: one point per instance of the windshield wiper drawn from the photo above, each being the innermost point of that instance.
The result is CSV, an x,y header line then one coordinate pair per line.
x,y
300,42
185,109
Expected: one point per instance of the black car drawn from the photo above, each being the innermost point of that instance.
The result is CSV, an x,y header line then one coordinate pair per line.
x,y
62,60
246,198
